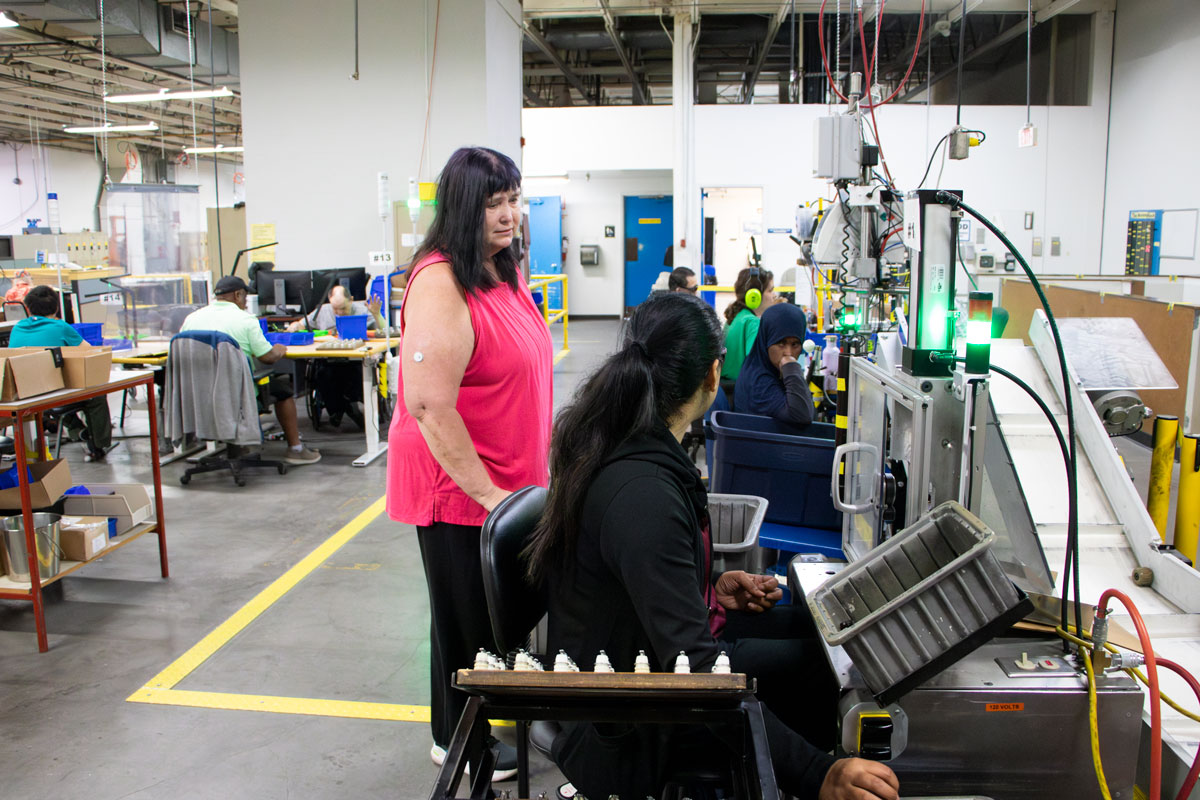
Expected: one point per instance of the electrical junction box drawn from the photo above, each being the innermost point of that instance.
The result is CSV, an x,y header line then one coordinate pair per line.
x,y
837,148
589,255
960,144
987,261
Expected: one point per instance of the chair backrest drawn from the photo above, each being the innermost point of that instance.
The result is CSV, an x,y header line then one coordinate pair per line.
x,y
514,606
15,311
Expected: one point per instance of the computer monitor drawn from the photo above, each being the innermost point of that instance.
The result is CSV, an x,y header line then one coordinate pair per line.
x,y
296,288
355,279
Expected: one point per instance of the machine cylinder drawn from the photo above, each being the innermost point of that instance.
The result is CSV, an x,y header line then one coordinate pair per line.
x,y
1187,503
1162,462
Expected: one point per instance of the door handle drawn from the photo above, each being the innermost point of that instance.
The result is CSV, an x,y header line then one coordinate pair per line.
x,y
839,457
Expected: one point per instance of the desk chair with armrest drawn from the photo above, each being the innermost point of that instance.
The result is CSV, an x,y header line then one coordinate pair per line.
x,y
210,392
514,609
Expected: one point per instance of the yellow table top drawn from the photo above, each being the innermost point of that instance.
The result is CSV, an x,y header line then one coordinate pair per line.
x,y
155,353
49,275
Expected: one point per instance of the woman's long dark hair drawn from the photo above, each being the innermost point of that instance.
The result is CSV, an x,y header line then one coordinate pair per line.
x,y
747,279
669,346
470,177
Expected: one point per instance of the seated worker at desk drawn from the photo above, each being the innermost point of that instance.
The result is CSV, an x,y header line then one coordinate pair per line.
x,y
625,551
340,305
339,384
43,328
227,314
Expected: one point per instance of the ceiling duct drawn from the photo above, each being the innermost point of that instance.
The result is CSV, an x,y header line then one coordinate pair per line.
x,y
138,31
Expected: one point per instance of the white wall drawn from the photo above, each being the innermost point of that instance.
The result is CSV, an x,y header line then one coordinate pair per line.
x,y
1152,163
1060,180
75,176
591,201
316,139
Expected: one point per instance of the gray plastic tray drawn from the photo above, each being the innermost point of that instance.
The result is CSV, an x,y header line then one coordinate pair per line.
x,y
919,602
734,520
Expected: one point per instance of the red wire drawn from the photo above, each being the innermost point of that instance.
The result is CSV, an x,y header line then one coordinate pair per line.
x,y
1152,679
1190,781
829,75
870,71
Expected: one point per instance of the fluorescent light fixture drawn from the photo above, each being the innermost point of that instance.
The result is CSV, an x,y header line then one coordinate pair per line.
x,y
218,149
7,22
166,94
146,126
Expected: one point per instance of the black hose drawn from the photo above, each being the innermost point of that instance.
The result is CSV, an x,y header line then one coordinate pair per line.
x,y
1072,555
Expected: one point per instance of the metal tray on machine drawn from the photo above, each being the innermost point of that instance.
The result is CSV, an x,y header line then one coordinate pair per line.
x,y
921,601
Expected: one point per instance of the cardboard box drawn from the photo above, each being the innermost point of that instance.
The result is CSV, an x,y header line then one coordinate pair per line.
x,y
85,366
82,538
129,503
51,480
28,371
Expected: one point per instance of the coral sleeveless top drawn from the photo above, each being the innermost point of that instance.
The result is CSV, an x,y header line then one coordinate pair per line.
x,y
505,400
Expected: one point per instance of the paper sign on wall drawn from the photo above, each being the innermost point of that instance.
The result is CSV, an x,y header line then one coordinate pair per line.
x,y
263,233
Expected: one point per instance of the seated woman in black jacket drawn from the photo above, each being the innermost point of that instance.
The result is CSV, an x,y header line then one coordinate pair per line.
x,y
625,553
772,381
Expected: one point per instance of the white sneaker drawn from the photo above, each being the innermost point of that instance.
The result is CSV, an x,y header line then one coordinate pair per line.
x,y
438,755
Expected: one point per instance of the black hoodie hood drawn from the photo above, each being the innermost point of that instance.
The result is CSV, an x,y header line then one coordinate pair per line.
x,y
660,448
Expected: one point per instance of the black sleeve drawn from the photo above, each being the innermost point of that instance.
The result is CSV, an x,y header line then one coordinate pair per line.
x,y
799,398
649,543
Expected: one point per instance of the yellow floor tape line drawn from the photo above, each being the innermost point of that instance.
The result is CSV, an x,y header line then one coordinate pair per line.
x,y
160,689
350,709
560,356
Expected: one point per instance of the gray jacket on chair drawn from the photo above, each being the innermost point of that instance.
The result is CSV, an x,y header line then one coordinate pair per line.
x,y
210,390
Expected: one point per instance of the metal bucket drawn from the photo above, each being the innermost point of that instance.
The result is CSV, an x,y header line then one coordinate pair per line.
x,y
45,533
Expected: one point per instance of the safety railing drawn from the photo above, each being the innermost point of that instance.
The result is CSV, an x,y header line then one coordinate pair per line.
x,y
552,315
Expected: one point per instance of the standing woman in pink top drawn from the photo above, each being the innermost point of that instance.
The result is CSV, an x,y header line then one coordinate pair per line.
x,y
476,382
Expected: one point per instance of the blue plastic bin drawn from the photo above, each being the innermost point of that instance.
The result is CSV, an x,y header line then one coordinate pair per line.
x,y
92,332
352,326
787,464
285,338
262,323
118,344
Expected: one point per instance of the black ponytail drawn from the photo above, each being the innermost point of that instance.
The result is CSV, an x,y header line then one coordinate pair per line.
x,y
668,347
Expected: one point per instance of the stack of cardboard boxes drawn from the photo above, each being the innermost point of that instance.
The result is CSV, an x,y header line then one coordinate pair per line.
x,y
90,521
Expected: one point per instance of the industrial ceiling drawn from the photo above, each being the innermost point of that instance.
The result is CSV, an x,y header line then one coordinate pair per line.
x,y
575,52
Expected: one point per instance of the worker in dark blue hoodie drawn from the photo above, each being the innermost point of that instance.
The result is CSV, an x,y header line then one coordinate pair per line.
x,y
625,553
772,381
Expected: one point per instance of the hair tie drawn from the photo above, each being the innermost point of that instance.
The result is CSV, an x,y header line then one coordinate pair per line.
x,y
639,347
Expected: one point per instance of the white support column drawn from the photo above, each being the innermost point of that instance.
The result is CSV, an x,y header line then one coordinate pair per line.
x,y
686,190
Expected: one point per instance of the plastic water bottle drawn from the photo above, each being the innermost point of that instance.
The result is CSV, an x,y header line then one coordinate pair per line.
x,y
52,211
829,360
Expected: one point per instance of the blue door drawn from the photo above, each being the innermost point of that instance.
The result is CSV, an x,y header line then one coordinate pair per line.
x,y
545,242
649,232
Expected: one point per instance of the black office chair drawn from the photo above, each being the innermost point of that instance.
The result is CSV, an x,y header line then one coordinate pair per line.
x,y
515,607
198,354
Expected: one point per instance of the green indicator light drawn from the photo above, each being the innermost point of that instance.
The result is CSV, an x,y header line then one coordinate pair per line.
x,y
979,331
933,329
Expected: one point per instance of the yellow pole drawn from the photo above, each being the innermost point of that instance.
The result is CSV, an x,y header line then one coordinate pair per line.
x,y
1162,463
566,314
1187,503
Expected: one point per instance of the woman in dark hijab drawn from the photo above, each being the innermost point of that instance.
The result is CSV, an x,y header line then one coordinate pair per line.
x,y
772,381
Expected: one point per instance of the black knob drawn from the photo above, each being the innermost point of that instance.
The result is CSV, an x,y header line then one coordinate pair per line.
x,y
875,738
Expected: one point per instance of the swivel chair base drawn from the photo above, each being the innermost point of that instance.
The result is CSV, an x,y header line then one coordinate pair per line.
x,y
235,459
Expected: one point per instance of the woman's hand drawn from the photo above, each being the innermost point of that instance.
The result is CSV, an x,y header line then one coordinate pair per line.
x,y
737,590
859,779
493,498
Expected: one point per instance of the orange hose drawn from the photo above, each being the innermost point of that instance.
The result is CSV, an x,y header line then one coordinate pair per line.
x,y
1152,678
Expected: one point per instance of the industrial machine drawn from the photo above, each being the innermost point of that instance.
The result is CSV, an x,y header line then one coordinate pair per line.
x,y
919,426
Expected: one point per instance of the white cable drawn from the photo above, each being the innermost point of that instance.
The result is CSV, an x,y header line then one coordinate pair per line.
x,y
104,93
